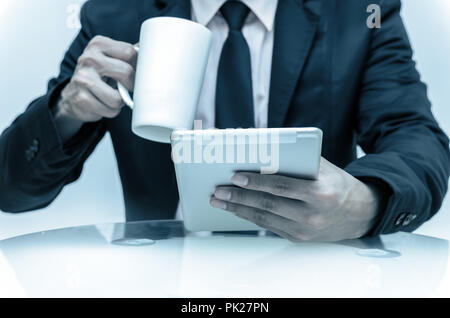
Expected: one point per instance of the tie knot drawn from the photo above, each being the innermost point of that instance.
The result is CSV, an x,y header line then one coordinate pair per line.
x,y
235,13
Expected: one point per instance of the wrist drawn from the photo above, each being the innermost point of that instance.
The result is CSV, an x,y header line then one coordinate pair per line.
x,y
67,124
379,196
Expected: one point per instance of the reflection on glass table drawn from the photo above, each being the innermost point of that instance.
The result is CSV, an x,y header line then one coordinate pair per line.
x,y
160,259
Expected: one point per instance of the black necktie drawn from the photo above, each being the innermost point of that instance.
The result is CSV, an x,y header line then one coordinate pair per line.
x,y
234,95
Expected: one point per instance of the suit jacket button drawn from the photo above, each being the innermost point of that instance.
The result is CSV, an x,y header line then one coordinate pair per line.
x,y
30,155
35,146
408,219
400,219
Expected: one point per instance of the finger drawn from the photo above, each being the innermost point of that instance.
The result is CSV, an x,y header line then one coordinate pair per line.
x,y
293,188
89,103
106,66
261,218
120,71
101,89
115,49
296,236
288,208
106,94
88,78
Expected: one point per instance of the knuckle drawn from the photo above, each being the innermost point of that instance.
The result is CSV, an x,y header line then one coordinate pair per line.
x,y
87,59
267,202
82,97
81,79
281,186
126,76
260,219
78,80
129,52
329,196
97,40
128,71
236,195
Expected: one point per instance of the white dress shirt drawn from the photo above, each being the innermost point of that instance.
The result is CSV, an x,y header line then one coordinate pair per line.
x,y
258,31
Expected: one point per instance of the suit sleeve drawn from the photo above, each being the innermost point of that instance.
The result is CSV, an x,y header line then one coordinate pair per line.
x,y
407,152
34,164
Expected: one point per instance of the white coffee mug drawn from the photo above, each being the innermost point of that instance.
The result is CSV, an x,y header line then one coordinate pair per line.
x,y
172,59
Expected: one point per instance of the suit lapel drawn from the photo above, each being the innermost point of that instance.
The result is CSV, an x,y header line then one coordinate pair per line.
x,y
296,24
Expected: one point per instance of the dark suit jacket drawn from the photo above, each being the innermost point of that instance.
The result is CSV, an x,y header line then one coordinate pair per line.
x,y
331,71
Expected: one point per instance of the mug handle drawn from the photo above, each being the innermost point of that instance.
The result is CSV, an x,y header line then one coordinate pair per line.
x,y
126,97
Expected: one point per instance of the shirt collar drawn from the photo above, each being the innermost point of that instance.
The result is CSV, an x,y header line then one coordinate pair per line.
x,y
265,10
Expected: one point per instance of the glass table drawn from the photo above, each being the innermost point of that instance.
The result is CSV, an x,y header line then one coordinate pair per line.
x,y
161,259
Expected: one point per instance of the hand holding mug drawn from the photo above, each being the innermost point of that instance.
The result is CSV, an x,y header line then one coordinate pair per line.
x,y
173,56
88,97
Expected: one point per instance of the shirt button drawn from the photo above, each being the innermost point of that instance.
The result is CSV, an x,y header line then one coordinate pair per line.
x,y
400,219
408,219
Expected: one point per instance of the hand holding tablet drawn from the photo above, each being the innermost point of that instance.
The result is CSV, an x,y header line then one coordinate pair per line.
x,y
205,159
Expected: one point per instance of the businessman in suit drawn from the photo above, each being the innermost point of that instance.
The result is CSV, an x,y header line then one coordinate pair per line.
x,y
286,63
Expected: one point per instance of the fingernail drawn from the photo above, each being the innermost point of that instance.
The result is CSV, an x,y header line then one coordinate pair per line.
x,y
223,194
218,204
240,180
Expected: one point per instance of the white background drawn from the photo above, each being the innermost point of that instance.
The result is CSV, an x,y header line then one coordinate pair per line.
x,y
33,38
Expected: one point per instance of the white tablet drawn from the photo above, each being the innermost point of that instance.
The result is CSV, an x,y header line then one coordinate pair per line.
x,y
205,159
